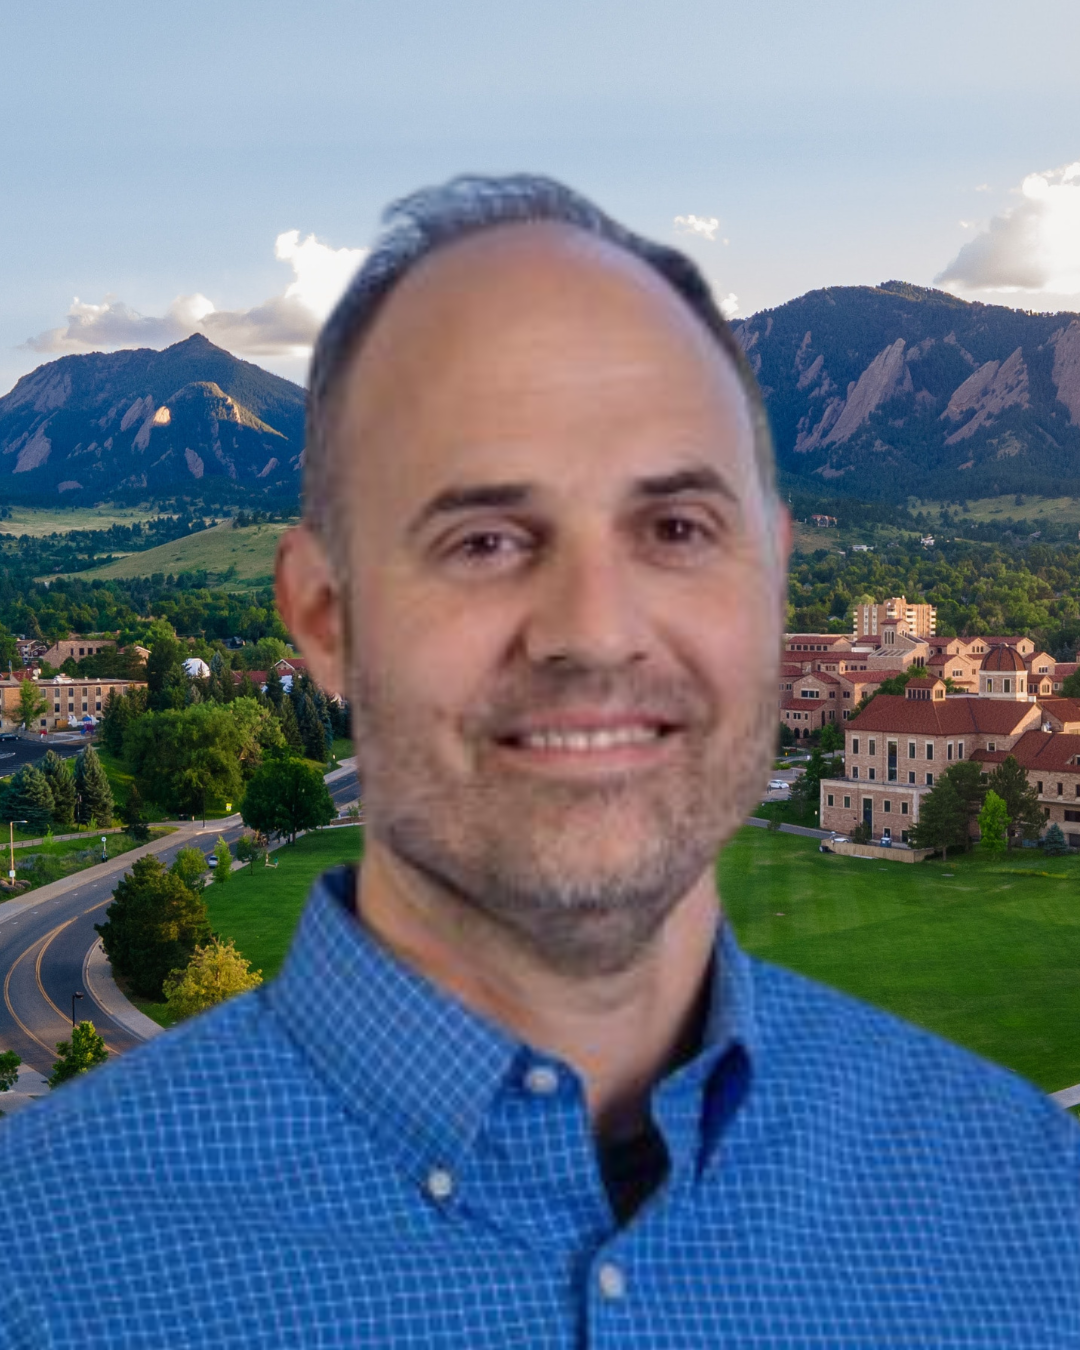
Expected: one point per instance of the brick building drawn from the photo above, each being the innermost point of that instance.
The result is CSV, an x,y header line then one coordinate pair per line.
x,y
68,700
74,648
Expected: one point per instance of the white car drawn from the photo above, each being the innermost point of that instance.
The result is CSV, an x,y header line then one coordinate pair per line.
x,y
775,784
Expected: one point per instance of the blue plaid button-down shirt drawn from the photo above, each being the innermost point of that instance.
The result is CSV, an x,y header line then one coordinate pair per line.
x,y
350,1158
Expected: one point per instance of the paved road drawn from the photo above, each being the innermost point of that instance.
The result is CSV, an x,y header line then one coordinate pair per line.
x,y
30,749
45,940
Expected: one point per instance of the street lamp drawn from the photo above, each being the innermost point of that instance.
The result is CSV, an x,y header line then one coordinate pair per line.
x,y
104,854
11,848
73,998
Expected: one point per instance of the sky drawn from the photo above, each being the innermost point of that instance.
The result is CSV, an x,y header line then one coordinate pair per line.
x,y
183,166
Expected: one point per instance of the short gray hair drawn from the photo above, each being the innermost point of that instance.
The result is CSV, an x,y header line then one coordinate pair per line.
x,y
415,227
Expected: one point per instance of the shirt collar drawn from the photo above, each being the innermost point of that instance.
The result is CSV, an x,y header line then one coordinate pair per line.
x,y
422,1070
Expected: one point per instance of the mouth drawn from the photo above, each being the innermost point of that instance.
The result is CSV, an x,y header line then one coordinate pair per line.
x,y
607,745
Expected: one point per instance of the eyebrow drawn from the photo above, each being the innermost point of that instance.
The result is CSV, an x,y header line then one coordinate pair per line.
x,y
488,496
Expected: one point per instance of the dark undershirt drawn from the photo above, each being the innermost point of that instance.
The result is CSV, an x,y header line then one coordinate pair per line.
x,y
632,1170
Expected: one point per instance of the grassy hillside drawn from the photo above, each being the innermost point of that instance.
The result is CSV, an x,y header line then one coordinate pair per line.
x,y
40,521
1059,510
250,551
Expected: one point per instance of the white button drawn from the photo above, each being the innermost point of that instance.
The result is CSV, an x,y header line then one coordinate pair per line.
x,y
440,1184
542,1079
612,1281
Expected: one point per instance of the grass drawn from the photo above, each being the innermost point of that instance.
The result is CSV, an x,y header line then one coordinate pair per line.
x,y
40,521
1057,510
216,550
983,953
794,811
49,862
341,749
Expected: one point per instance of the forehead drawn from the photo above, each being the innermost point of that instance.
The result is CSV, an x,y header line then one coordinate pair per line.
x,y
530,336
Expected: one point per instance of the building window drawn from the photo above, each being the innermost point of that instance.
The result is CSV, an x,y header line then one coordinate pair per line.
x,y
903,808
886,805
911,775
873,748
989,686
929,749
903,836
854,745
847,803
929,780
991,745
1006,686
1061,789
854,771
960,750
97,706
1072,815
911,749
1038,787
828,799
949,750
872,773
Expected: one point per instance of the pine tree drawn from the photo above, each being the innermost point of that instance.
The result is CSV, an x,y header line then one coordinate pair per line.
x,y
114,719
275,689
943,819
289,728
1053,841
95,799
28,797
62,786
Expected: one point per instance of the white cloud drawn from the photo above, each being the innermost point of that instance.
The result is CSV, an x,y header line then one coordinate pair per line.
x,y
729,305
1033,245
705,226
282,327
982,187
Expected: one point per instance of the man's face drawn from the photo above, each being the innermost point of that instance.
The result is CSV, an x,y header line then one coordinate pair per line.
x,y
564,591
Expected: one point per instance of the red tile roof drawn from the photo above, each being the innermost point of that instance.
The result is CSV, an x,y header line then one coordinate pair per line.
x,y
1047,750
948,717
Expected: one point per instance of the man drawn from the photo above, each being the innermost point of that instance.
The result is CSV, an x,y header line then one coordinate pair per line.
x,y
517,1085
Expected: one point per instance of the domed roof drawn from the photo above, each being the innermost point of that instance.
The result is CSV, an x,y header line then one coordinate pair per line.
x,y
1003,658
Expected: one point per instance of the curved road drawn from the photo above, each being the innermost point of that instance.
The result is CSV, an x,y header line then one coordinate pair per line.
x,y
46,938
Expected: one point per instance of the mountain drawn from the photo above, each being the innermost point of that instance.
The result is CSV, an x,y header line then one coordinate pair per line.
x,y
895,390
190,420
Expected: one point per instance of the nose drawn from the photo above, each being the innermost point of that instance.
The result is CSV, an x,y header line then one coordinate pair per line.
x,y
588,608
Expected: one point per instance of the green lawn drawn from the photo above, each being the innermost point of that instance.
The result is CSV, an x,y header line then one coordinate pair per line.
x,y
258,908
250,551
984,953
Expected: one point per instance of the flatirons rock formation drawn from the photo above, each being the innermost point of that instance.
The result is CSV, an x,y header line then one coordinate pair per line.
x,y
896,390
189,417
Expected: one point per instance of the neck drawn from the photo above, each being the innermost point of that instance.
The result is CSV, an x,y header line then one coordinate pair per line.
x,y
620,1032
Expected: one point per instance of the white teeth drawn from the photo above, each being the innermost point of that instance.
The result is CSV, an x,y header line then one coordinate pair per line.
x,y
589,740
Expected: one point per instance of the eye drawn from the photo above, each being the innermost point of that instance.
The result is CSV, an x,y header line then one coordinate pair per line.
x,y
481,546
682,529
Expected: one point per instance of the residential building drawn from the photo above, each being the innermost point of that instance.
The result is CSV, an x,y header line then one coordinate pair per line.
x,y
871,620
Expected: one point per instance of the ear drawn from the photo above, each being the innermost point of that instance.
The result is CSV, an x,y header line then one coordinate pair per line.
x,y
310,601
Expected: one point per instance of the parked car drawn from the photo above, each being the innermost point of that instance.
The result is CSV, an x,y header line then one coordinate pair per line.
x,y
826,844
775,784
9,735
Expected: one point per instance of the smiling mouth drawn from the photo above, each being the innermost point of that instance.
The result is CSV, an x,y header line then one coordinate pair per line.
x,y
580,741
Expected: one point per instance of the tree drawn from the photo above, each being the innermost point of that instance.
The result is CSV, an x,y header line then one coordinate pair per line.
x,y
1053,841
223,854
290,729
862,833
133,815
28,797
943,819
832,738
85,1050
9,1070
1010,782
114,719
993,823
285,796
787,736
62,786
215,972
32,704
249,850
1070,686
807,788
190,866
165,680
94,799
153,926
186,760
275,689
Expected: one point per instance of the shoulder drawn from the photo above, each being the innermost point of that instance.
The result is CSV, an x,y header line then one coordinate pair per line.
x,y
864,1071
158,1104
